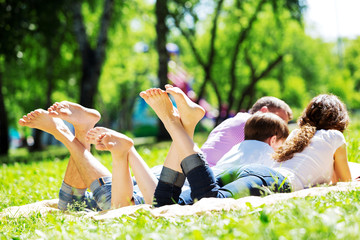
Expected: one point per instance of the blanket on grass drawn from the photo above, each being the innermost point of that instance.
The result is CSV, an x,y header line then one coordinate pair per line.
x,y
204,206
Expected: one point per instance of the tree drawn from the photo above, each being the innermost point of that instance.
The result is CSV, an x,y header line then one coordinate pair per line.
x,y
92,57
230,28
19,20
161,11
179,12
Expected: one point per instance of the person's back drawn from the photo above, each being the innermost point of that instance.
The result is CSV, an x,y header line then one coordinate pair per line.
x,y
222,138
257,148
314,165
314,152
231,132
246,152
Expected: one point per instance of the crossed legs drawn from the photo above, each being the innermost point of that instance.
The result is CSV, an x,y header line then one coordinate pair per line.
x,y
81,166
83,170
180,123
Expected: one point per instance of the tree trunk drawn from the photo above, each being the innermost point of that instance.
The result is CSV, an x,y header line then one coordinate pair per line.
x,y
92,59
53,53
161,32
4,127
89,79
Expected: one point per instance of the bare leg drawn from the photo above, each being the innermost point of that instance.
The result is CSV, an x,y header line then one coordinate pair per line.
x,y
145,178
190,115
122,186
72,175
190,112
161,104
83,119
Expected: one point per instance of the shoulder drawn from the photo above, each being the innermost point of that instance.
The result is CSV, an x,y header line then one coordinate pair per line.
x,y
239,117
332,136
238,120
330,133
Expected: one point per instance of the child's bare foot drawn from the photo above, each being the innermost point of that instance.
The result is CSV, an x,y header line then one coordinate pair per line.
x,y
118,144
160,102
40,119
190,112
93,134
81,117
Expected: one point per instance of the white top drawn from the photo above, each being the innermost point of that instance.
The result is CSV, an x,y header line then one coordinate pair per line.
x,y
246,152
315,164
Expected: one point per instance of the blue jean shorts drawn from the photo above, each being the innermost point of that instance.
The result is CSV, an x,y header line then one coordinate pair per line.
x,y
98,198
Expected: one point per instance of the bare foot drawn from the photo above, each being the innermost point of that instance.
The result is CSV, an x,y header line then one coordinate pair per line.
x,y
81,117
93,134
190,112
160,102
40,119
118,144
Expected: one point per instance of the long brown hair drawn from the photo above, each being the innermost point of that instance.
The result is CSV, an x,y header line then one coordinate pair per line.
x,y
324,111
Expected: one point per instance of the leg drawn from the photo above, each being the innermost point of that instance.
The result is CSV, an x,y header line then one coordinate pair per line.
x,y
41,119
172,177
254,180
144,177
83,119
122,186
183,143
190,115
72,175
170,116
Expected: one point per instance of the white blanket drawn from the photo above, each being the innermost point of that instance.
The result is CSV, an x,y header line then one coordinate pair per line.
x,y
204,206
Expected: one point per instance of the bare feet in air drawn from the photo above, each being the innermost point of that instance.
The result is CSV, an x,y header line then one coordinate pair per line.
x,y
118,144
94,133
160,102
41,119
82,118
190,112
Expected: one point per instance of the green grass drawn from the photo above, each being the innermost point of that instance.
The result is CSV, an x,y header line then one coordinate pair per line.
x,y
334,216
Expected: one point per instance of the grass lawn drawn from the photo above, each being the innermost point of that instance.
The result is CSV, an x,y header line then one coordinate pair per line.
x,y
334,216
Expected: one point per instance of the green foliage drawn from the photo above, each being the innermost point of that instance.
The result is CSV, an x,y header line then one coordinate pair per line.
x,y
43,63
268,87
295,92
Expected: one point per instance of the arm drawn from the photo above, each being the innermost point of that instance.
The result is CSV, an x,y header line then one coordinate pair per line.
x,y
341,166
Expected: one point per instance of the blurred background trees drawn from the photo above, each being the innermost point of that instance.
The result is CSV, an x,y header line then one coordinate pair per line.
x,y
101,54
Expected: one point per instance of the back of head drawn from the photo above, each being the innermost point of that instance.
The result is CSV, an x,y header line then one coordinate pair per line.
x,y
271,103
325,111
260,126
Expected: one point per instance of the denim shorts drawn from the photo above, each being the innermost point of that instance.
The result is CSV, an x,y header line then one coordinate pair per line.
x,y
99,197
